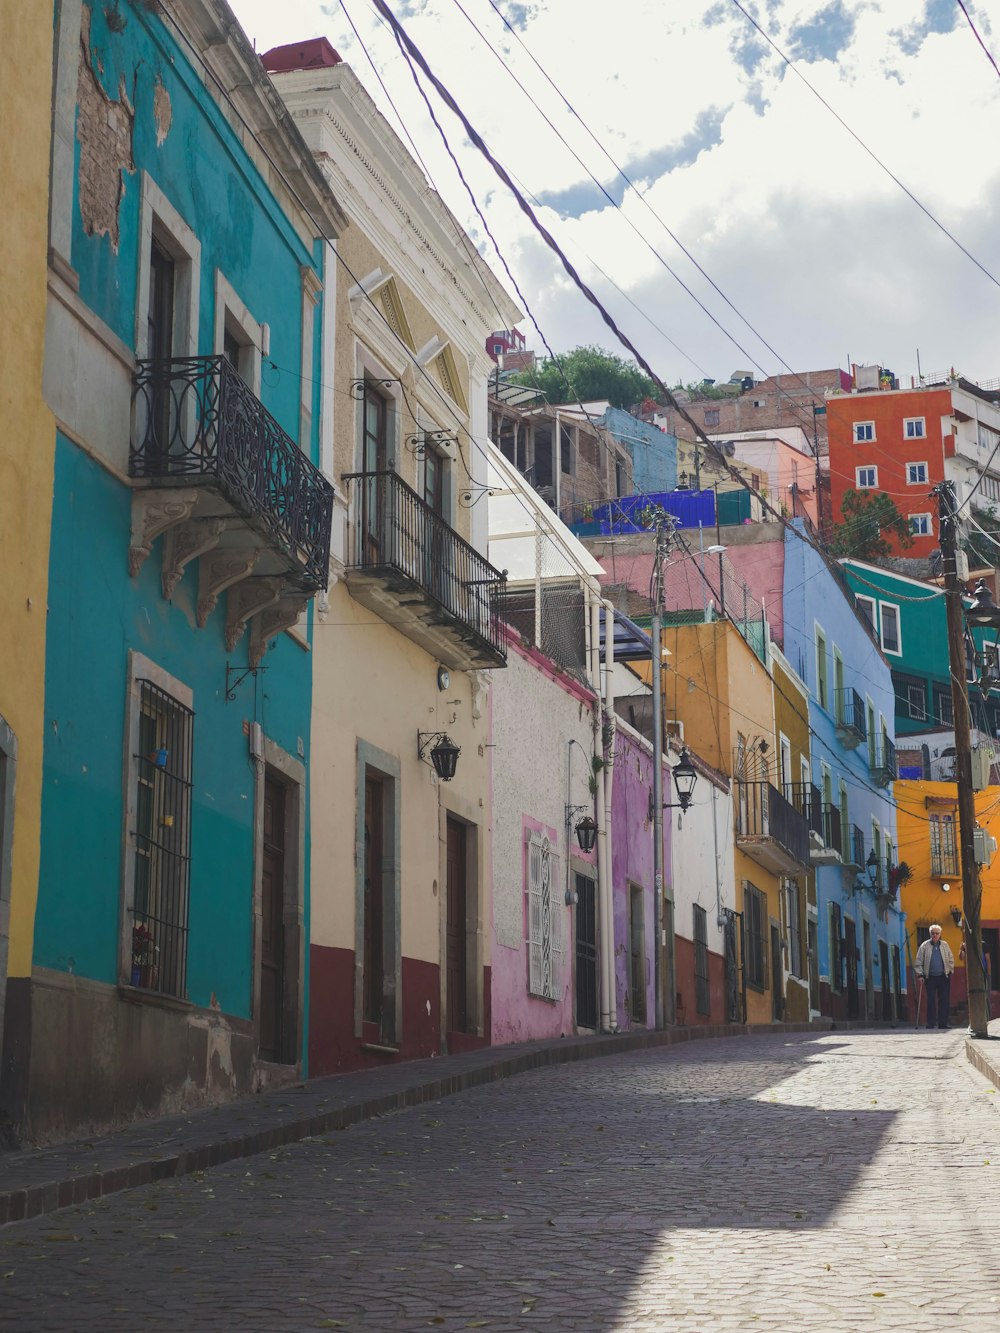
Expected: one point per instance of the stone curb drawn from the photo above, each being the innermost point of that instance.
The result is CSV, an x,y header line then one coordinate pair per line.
x,y
985,1058
62,1191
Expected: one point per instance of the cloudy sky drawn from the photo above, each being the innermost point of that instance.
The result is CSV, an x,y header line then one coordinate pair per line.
x,y
820,251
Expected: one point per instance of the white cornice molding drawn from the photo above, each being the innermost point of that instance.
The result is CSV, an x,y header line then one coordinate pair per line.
x,y
343,109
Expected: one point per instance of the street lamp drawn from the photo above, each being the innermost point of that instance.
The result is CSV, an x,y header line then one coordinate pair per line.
x,y
685,777
983,612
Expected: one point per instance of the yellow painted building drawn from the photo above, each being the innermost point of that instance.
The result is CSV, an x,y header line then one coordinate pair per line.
x,y
716,686
799,920
26,468
927,831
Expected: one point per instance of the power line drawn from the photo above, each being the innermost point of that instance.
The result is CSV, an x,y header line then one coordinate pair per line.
x,y
975,33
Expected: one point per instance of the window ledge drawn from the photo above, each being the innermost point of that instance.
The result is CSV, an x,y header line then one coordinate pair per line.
x,y
140,995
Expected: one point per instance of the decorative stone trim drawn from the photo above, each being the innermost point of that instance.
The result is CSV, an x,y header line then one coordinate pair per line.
x,y
220,571
284,614
184,543
153,513
246,600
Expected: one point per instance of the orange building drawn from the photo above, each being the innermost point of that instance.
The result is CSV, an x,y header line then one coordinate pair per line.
x,y
902,442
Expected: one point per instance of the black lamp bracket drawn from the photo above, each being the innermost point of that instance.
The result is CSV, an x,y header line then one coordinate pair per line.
x,y
235,676
358,386
426,740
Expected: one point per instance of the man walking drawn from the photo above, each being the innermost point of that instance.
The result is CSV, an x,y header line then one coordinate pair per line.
x,y
934,964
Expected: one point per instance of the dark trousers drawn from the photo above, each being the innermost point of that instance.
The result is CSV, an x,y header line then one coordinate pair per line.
x,y
938,990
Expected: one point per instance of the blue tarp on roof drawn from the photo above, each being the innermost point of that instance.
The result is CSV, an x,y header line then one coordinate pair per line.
x,y
626,514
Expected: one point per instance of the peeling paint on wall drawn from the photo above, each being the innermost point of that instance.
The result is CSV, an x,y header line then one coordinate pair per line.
x,y
163,112
104,129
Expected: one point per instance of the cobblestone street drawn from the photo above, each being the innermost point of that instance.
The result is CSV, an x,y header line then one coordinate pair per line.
x,y
840,1181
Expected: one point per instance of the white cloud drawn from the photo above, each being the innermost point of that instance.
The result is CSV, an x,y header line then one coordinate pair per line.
x,y
803,232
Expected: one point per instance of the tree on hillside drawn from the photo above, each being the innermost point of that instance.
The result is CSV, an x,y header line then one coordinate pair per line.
x,y
870,520
586,374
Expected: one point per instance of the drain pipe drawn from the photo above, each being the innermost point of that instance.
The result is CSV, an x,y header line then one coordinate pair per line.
x,y
608,774
600,810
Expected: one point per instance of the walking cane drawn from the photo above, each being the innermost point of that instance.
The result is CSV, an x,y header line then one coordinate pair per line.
x,y
920,996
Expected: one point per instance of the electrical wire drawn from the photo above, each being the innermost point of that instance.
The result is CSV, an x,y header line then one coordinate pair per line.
x,y
975,33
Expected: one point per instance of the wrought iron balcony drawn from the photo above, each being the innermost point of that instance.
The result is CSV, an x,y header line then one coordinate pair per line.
x,y
849,710
770,829
196,423
854,846
807,799
884,769
409,565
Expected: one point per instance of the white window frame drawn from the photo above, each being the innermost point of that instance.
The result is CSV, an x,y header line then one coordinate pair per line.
x,y
819,634
139,668
894,608
911,480
231,312
158,216
920,716
921,525
866,485
859,598
919,434
863,432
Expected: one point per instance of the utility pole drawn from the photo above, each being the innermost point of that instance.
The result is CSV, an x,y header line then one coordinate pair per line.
x,y
659,554
818,411
971,889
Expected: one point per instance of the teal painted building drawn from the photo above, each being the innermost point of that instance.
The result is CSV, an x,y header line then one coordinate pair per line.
x,y
909,619
189,338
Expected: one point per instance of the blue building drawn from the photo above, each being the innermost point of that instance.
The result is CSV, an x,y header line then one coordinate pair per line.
x,y
859,930
652,450
190,532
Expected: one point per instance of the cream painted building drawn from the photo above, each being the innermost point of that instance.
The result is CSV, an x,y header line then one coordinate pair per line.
x,y
405,642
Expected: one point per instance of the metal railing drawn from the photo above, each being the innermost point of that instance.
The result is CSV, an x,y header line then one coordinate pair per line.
x,y
398,535
832,835
807,799
849,710
854,845
885,762
764,812
194,418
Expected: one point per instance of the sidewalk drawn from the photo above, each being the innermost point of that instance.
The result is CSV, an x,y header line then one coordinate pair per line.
x,y
44,1179
985,1056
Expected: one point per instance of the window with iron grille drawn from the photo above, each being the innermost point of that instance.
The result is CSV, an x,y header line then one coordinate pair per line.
x,y
702,995
944,851
544,919
755,917
162,841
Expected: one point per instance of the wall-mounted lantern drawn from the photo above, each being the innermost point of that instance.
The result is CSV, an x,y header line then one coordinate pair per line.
x,y
442,751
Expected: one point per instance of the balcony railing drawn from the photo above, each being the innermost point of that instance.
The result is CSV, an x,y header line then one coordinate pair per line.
x,y
195,420
832,834
770,829
850,714
854,846
807,799
399,539
944,860
884,769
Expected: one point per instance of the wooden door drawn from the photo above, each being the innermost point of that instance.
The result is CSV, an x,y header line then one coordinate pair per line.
x,y
272,967
456,948
374,959
777,976
883,953
851,954
866,935
586,952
